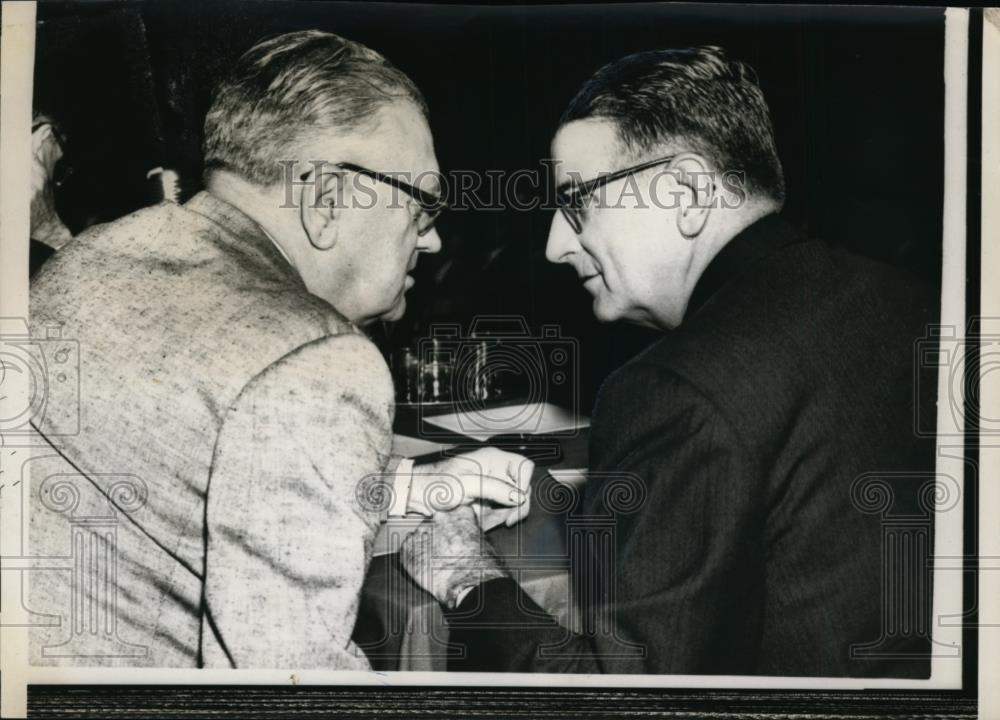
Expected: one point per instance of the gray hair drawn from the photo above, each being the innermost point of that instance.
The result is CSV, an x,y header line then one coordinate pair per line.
x,y
286,88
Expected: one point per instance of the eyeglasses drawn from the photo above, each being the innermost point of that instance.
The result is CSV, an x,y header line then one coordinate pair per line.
x,y
571,202
431,206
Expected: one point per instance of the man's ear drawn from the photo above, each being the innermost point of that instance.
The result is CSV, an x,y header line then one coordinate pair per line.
x,y
321,207
697,183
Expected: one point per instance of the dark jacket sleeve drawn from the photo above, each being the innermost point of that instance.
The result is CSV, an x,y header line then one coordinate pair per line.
x,y
671,577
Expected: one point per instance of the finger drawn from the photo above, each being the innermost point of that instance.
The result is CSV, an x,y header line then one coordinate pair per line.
x,y
520,469
496,462
497,490
492,516
472,480
520,512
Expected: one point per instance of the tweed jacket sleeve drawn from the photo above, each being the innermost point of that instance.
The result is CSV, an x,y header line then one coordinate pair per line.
x,y
288,542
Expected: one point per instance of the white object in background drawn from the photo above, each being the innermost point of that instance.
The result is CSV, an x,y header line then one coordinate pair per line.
x,y
415,447
570,476
527,418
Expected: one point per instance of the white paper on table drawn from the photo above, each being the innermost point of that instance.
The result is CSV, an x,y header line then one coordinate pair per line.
x,y
415,447
570,476
527,418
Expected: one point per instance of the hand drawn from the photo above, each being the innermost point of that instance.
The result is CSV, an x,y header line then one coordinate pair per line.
x,y
491,516
448,555
487,477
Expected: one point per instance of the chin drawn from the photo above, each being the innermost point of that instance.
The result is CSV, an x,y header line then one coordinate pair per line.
x,y
396,313
632,316
605,314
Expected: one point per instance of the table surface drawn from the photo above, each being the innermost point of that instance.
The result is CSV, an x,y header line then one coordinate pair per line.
x,y
401,627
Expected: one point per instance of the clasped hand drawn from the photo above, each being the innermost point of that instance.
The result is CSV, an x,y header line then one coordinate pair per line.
x,y
494,482
450,555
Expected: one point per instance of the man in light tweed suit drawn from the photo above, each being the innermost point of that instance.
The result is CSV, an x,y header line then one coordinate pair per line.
x,y
229,405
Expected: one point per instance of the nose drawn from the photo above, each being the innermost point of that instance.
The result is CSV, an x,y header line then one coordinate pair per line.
x,y
562,240
431,242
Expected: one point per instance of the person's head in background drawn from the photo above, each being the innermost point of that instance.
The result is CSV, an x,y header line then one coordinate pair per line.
x,y
291,138
47,150
685,136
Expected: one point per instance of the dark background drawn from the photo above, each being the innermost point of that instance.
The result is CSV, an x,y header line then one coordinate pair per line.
x,y
856,94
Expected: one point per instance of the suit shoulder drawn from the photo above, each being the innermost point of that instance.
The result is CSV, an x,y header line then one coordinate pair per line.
x,y
805,300
145,224
336,385
348,364
810,327
650,389
291,312
646,401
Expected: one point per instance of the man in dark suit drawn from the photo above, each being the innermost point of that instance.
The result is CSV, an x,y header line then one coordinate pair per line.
x,y
750,435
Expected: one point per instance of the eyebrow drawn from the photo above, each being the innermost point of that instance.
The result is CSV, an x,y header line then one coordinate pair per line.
x,y
575,181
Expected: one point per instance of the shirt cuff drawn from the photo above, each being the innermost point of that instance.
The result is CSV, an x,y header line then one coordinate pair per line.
x,y
462,594
401,488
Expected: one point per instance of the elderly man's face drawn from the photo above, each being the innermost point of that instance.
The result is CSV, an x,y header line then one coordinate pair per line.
x,y
365,274
629,254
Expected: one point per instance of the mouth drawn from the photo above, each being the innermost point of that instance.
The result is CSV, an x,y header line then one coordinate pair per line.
x,y
409,281
585,279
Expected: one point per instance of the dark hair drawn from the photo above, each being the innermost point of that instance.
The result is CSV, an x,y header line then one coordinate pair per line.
x,y
288,86
692,99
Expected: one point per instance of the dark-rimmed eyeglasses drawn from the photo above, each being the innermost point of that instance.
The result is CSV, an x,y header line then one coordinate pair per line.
x,y
571,201
431,205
